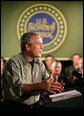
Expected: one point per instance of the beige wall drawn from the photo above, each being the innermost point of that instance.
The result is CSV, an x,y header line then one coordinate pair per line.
x,y
72,11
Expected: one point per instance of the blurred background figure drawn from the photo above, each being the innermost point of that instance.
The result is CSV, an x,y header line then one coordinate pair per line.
x,y
82,78
80,64
53,67
82,71
79,75
70,69
2,68
48,63
57,73
2,64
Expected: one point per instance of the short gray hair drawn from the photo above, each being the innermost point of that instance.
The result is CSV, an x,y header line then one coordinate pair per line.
x,y
27,38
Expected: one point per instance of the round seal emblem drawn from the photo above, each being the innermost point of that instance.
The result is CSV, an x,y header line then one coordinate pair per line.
x,y
46,20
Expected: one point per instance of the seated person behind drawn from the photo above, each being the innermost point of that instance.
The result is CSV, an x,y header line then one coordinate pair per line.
x,y
74,67
57,73
80,64
48,62
79,75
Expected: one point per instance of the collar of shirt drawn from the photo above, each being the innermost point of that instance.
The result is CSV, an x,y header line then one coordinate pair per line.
x,y
36,60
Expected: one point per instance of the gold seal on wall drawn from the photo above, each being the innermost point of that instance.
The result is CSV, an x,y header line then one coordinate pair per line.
x,y
46,20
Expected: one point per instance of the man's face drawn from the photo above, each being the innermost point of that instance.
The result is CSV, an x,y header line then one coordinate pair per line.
x,y
36,47
58,68
49,61
80,63
76,59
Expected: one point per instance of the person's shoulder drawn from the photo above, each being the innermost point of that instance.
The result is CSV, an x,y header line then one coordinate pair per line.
x,y
14,58
68,68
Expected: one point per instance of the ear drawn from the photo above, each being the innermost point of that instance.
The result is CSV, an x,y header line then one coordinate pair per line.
x,y
27,47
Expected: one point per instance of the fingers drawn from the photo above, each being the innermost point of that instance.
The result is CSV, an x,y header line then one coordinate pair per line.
x,y
56,84
59,84
53,88
57,88
51,91
49,78
62,88
62,83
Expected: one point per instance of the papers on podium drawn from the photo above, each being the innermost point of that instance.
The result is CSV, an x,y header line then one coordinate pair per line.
x,y
64,95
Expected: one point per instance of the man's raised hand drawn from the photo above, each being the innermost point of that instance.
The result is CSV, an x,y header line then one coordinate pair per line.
x,y
51,87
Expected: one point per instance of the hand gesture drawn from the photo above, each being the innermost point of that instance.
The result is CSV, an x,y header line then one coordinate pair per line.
x,y
51,87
